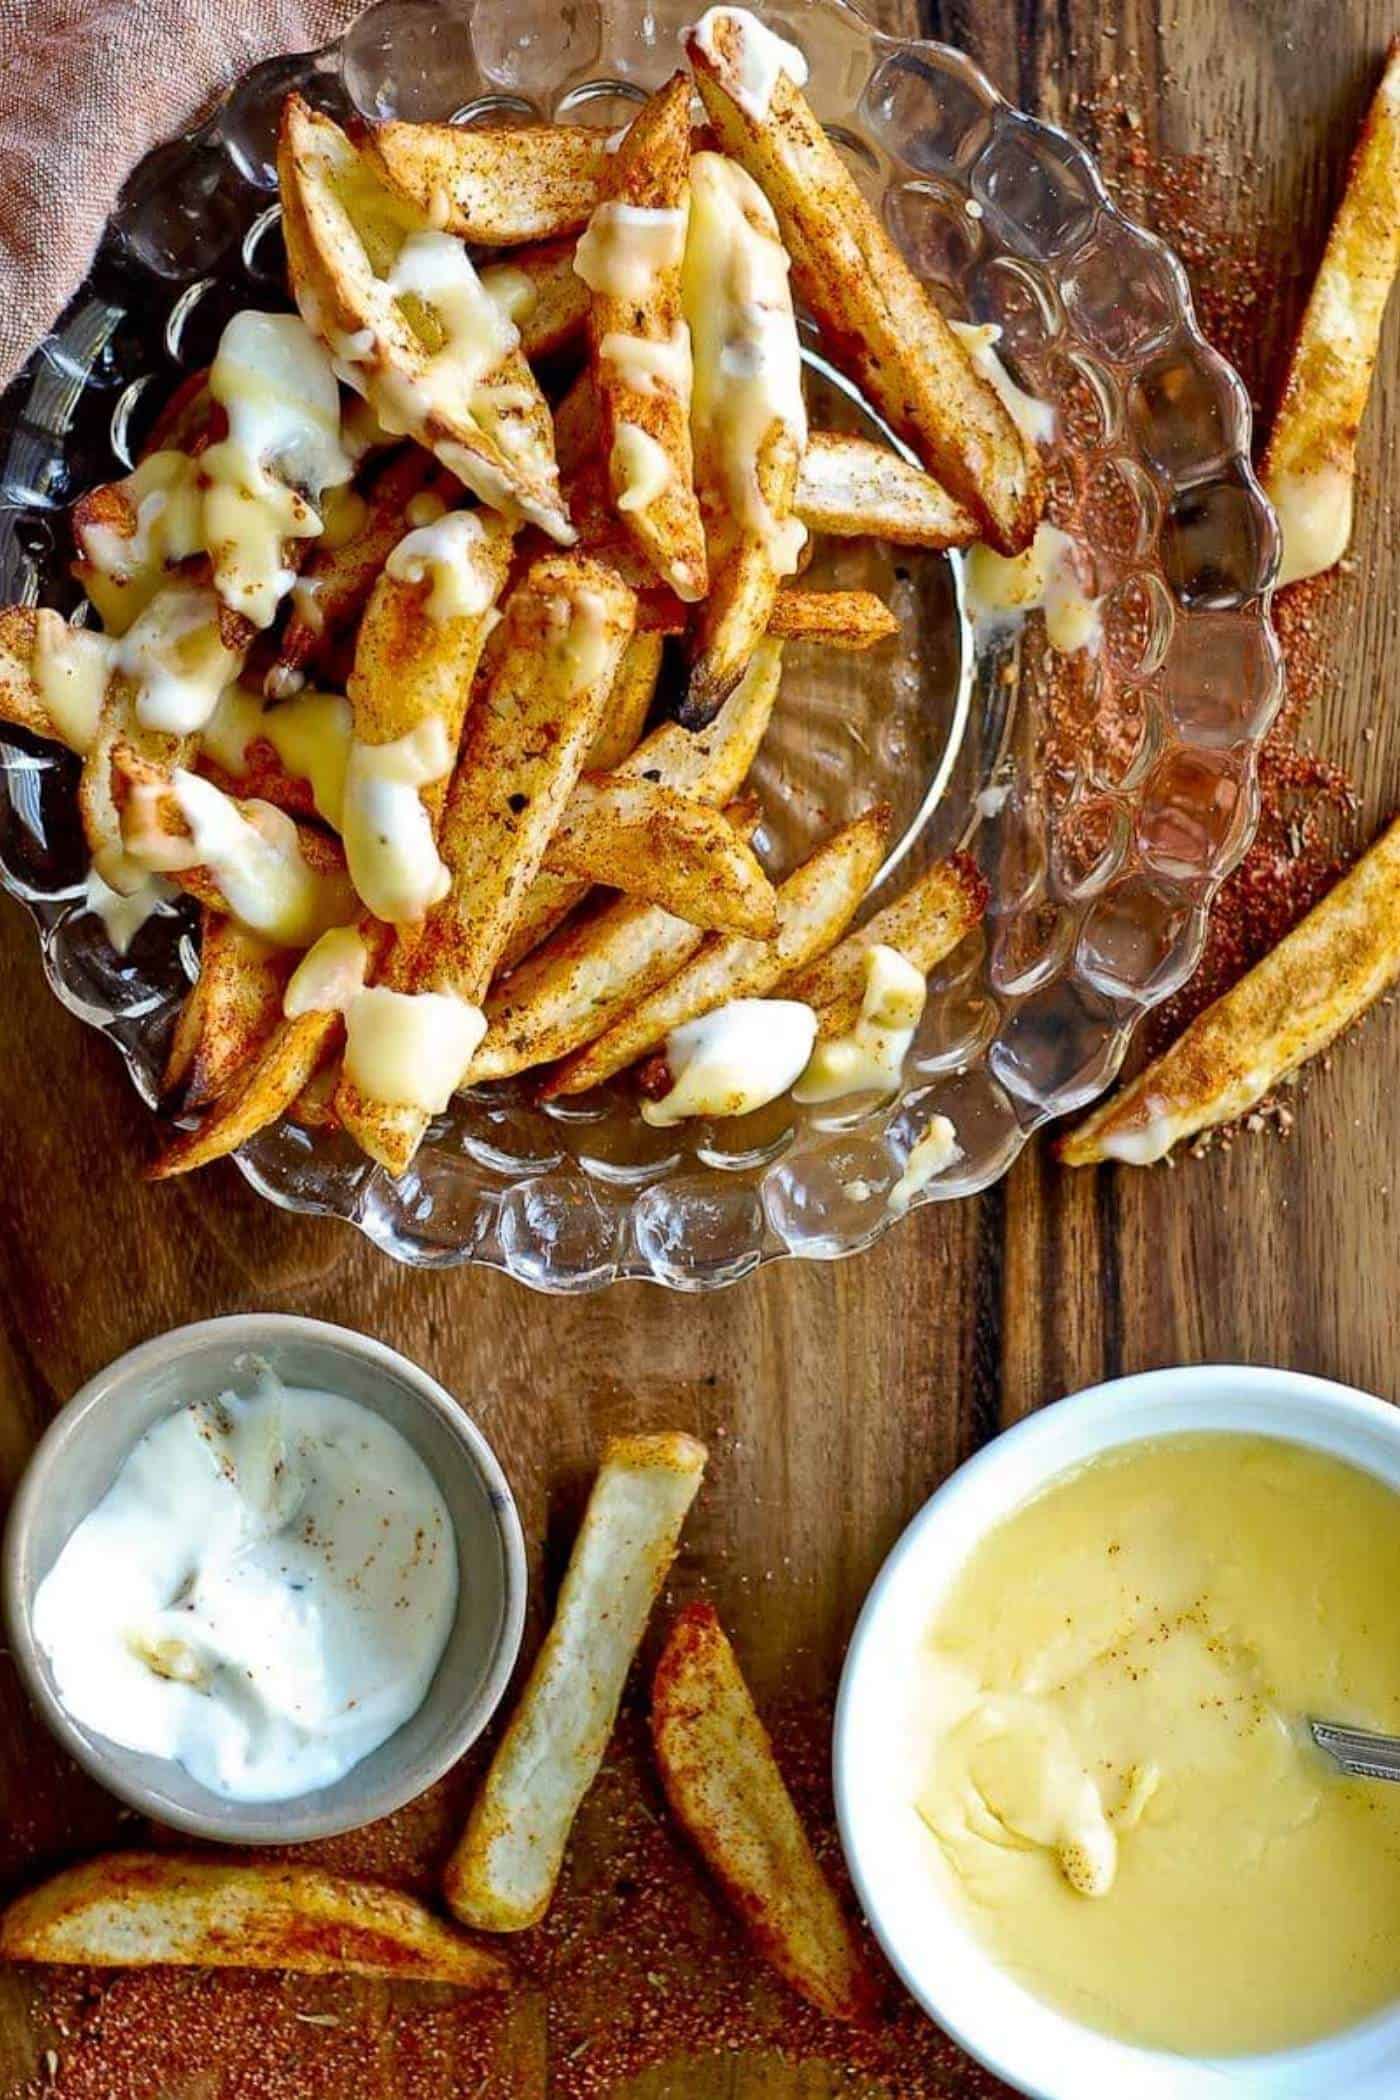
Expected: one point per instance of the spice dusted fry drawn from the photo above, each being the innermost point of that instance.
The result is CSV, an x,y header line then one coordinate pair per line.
x,y
1309,467
53,677
494,186
230,1011
565,629
838,619
131,534
542,295
129,1909
335,582
279,879
573,985
292,753
639,343
411,327
748,418
416,655
629,704
502,1874
853,488
1318,980
726,1792
651,842
815,905
923,924
884,329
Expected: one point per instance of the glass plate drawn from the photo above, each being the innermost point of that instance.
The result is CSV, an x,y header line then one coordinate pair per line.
x,y
1102,845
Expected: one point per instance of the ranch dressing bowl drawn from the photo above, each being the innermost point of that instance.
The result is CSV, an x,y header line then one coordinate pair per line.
x,y
392,1405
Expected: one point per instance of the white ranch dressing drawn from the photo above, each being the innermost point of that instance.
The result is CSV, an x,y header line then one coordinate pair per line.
x,y
734,1060
261,1596
758,57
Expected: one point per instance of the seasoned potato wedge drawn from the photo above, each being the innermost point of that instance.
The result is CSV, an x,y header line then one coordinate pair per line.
x,y
574,985
924,924
231,1010
502,1874
653,843
1309,465
629,704
710,765
1318,980
884,329
130,1909
404,313
853,488
639,342
725,1790
494,186
838,619
815,905
53,678
748,418
539,290
131,534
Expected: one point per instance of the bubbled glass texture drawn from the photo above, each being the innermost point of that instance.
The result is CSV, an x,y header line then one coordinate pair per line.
x,y
1102,848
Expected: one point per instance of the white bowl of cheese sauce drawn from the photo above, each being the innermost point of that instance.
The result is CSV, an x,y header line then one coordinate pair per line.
x,y
265,1579
1073,1778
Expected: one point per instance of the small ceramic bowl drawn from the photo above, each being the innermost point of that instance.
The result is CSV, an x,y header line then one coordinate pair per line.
x,y
85,1446
1034,2047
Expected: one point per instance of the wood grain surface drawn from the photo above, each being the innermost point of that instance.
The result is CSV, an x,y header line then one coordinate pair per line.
x,y
835,1398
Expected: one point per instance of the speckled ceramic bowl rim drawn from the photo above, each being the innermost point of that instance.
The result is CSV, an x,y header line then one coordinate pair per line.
x,y
1035,2048
95,1411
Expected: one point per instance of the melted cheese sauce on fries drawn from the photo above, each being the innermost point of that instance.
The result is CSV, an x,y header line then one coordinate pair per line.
x,y
404,1049
869,1058
757,56
626,245
447,554
387,829
734,1060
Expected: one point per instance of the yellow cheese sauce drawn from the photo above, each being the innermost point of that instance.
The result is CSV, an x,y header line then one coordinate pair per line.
x,y
1111,1754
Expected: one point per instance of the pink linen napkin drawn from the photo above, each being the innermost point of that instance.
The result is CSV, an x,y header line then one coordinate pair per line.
x,y
86,88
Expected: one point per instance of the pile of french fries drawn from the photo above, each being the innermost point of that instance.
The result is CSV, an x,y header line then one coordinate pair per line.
x,y
716,1764
383,605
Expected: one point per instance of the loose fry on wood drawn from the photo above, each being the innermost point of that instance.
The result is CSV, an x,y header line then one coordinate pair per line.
x,y
502,1874
711,764
403,311
668,848
131,1909
639,342
748,417
815,905
884,329
231,1010
924,924
726,1792
495,186
1318,980
573,985
1309,466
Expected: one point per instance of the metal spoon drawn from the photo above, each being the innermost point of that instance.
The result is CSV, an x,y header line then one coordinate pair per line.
x,y
1356,1751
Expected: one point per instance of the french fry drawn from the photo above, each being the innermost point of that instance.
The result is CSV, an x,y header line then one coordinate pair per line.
x,y
231,1010
572,986
668,848
884,329
852,488
502,1874
924,924
416,654
748,418
23,631
565,630
639,342
402,310
131,1909
815,905
539,290
292,753
710,765
836,619
117,731
282,880
494,186
1318,980
727,1794
629,704
336,579
1309,467
131,533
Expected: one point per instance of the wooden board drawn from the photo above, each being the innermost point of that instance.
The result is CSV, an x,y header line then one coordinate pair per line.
x,y
835,1398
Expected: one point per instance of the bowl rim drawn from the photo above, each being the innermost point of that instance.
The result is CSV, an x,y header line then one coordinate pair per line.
x,y
256,1822
1063,2059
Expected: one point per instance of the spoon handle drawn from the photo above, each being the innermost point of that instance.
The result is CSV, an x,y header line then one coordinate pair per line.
x,y
1357,1751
